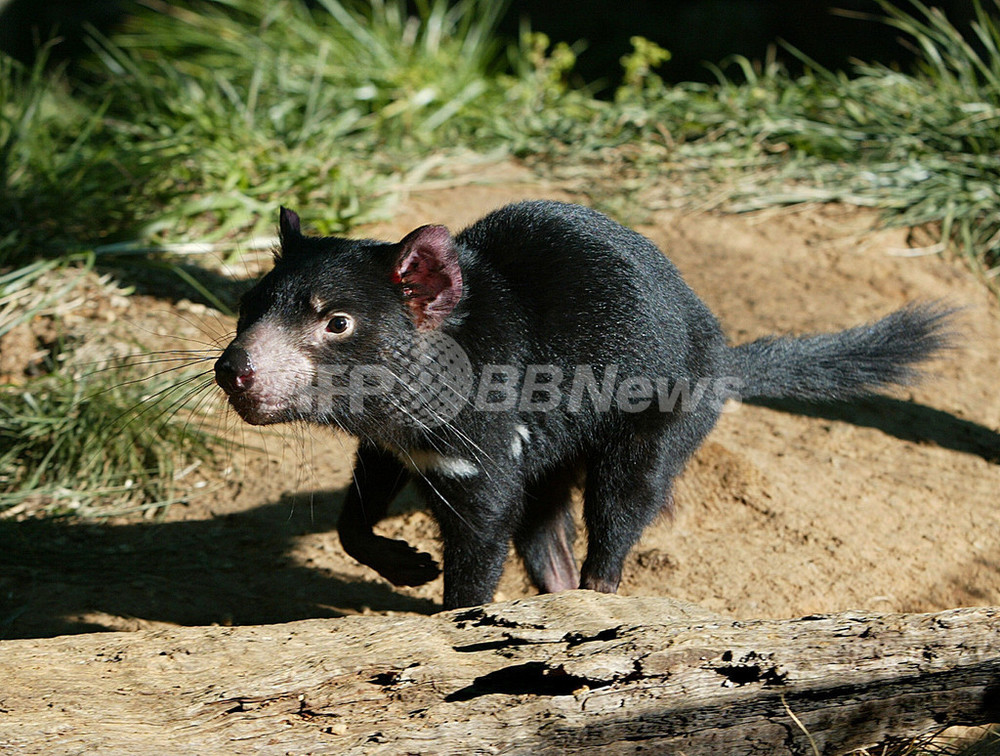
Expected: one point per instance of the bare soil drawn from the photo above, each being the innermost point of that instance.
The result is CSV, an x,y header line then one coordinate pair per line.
x,y
887,505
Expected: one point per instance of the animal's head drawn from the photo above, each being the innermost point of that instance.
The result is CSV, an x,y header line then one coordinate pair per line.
x,y
334,323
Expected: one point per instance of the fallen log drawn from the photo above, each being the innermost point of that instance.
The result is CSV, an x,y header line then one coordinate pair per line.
x,y
578,673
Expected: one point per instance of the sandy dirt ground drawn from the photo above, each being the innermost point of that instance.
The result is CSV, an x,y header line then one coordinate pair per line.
x,y
887,505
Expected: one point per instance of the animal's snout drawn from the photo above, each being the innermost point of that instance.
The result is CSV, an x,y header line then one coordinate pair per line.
x,y
234,371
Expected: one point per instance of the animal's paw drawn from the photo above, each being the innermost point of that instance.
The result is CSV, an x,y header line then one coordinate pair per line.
x,y
401,564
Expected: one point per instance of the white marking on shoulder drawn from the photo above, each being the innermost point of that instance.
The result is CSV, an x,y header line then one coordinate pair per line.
x,y
432,461
521,436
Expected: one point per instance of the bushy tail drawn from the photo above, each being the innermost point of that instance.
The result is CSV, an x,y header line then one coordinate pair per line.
x,y
852,363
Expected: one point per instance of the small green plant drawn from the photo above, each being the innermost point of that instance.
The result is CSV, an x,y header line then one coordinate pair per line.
x,y
639,66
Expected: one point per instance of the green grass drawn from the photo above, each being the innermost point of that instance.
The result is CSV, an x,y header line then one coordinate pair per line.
x,y
199,118
21,299
105,446
925,148
195,121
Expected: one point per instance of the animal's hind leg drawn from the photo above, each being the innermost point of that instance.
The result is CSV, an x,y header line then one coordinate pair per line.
x,y
627,486
545,536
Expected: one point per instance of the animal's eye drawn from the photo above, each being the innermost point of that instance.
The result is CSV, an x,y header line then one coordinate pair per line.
x,y
341,324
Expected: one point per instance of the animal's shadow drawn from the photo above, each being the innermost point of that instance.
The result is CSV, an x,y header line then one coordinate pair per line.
x,y
904,420
233,569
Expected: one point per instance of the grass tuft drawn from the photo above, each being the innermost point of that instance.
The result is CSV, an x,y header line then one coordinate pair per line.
x,y
73,446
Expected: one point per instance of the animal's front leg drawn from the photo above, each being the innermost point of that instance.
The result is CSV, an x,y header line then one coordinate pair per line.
x,y
378,478
477,521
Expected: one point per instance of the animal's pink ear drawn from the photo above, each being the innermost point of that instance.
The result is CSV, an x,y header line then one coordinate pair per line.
x,y
428,273
288,224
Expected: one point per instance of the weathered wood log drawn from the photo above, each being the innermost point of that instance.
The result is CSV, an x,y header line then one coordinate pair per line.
x,y
574,673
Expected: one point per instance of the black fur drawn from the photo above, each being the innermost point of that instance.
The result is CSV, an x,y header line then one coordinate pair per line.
x,y
532,284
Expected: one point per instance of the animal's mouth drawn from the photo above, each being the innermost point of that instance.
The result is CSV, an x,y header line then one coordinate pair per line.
x,y
256,410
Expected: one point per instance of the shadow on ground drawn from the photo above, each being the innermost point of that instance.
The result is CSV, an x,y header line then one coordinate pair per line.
x,y
233,569
904,420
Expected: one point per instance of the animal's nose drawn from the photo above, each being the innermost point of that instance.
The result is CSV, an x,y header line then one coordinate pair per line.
x,y
234,370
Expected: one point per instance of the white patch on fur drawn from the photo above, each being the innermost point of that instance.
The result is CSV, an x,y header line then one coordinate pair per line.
x,y
431,461
281,369
515,447
521,436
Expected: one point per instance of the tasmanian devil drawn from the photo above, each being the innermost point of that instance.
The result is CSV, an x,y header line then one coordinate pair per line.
x,y
545,346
